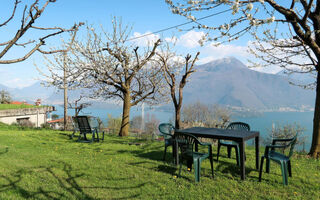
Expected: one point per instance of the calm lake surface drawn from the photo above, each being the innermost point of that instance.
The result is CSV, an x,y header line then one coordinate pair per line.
x,y
262,122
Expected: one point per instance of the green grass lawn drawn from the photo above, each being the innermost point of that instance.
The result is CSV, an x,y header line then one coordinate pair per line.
x,y
45,164
14,106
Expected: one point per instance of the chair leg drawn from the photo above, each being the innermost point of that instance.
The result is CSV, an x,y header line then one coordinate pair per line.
x,y
229,151
218,153
165,152
289,168
284,171
211,163
197,169
180,168
261,167
93,137
267,165
98,139
102,135
237,155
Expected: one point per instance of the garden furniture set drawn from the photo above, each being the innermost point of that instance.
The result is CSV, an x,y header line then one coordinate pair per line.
x,y
234,136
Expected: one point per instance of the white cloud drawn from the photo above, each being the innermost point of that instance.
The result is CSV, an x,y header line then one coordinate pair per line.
x,y
147,40
18,83
171,39
191,39
211,52
269,69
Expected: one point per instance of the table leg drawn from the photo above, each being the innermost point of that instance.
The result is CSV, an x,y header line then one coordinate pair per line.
x,y
257,151
176,152
242,161
196,147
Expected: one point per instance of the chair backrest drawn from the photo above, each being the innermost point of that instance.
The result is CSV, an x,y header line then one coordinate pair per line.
x,y
239,126
186,142
166,129
83,124
292,144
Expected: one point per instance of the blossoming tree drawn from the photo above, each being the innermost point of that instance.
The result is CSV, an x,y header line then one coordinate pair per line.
x,y
29,16
286,33
115,68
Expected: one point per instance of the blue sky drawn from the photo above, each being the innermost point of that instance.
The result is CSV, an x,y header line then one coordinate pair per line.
x,y
144,15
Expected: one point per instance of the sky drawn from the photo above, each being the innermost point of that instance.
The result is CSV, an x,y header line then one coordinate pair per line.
x,y
145,16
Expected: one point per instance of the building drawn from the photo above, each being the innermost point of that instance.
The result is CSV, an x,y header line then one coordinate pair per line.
x,y
58,123
34,115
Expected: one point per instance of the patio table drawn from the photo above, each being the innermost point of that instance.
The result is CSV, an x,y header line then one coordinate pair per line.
x,y
239,136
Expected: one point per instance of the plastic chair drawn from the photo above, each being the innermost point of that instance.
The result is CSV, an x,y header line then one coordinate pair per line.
x,y
166,130
85,128
282,159
232,144
186,144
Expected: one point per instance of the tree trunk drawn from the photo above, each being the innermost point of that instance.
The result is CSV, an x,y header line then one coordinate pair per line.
x,y
65,102
178,106
177,122
124,130
315,145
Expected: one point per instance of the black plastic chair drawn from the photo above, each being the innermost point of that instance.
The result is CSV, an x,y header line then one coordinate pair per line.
x,y
232,144
85,128
280,158
166,130
186,143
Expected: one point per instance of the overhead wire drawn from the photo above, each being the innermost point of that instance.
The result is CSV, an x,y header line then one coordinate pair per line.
x,y
176,26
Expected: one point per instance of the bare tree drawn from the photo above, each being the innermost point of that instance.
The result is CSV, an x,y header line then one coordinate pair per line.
x,y
117,69
174,68
62,75
5,97
29,16
78,106
298,47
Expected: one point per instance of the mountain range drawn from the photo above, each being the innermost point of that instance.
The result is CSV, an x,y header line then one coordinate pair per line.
x,y
225,81
229,82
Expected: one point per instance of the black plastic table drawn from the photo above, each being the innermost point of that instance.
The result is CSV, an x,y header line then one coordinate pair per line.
x,y
239,136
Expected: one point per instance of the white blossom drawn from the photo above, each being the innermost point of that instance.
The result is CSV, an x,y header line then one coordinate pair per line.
x,y
250,6
271,19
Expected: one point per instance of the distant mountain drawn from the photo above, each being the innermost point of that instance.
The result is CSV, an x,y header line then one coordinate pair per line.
x,y
229,82
33,92
298,78
3,87
225,81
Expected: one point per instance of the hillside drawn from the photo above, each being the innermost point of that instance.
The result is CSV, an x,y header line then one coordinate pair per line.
x,y
225,81
229,82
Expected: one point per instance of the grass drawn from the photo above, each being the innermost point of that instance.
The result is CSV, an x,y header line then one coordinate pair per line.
x,y
14,106
46,164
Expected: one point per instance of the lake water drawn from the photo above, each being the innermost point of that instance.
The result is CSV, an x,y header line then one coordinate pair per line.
x,y
262,123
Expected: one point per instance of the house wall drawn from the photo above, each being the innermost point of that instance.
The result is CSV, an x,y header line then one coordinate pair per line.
x,y
37,116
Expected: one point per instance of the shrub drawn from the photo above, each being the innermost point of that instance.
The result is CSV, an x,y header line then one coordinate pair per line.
x,y
114,124
286,131
206,115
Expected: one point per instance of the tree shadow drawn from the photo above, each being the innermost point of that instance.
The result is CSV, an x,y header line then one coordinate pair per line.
x,y
6,150
68,183
166,169
231,168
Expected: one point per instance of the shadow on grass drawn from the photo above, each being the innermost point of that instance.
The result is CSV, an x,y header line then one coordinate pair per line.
x,y
5,151
66,185
225,168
